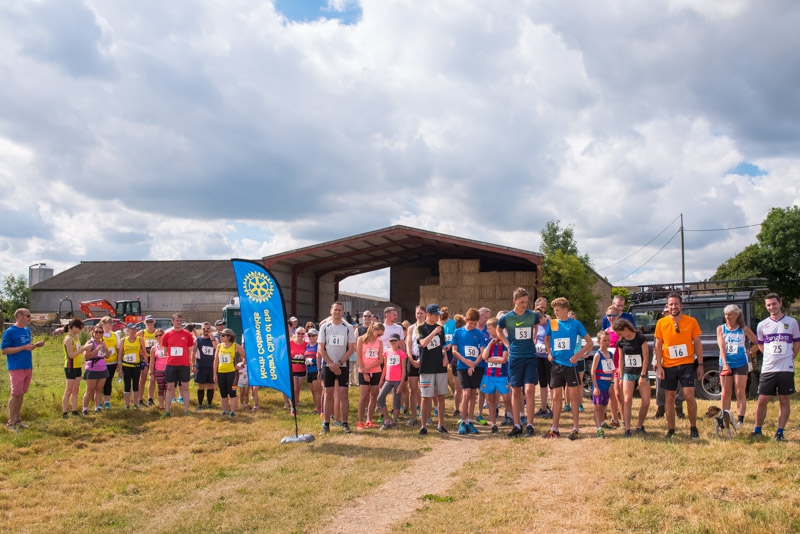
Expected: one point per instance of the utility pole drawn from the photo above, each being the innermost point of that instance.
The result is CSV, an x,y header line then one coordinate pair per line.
x,y
683,257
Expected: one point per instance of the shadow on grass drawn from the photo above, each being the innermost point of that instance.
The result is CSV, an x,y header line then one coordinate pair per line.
x,y
359,451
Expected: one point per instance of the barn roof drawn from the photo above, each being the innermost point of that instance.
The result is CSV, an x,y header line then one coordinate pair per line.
x,y
182,275
398,245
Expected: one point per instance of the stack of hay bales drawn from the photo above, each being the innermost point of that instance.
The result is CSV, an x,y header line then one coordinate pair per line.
x,y
460,286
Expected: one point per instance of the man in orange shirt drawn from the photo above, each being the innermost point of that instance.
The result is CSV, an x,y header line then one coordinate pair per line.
x,y
677,342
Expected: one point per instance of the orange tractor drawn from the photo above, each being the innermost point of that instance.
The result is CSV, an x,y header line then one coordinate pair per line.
x,y
129,311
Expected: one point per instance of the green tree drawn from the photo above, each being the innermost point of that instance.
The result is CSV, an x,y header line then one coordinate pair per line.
x,y
779,241
749,263
622,292
555,238
15,294
566,275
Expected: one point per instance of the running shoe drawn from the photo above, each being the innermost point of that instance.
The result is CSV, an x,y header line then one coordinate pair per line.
x,y
606,426
85,412
541,412
232,415
127,407
693,433
142,403
471,428
641,431
97,409
135,407
346,428
369,424
380,419
442,430
580,407
549,414
165,415
423,431
566,409
573,435
107,405
480,420
529,431
180,399
337,423
614,423
224,414
462,428
65,415
325,428
199,408
387,425
660,413
75,412
412,422
11,427
507,422
495,430
552,433
150,402
359,426
515,432
670,433
756,434
456,413
523,420
485,405
627,434
436,412
255,408
779,436
601,433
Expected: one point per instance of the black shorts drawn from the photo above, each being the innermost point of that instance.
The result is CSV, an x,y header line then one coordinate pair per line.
x,y
471,382
226,382
545,368
299,374
204,375
73,373
581,365
311,376
779,383
680,373
177,373
562,375
96,375
374,379
411,370
742,370
329,379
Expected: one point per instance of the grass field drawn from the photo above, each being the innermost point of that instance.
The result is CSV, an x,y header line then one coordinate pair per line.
x,y
133,472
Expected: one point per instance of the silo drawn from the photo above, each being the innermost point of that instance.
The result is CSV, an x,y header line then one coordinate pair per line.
x,y
38,272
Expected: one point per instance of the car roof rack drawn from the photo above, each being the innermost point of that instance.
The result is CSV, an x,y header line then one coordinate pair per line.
x,y
721,289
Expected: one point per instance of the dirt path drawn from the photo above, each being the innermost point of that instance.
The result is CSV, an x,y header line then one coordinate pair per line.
x,y
399,497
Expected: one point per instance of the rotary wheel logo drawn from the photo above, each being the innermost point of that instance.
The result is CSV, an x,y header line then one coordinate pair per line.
x,y
258,287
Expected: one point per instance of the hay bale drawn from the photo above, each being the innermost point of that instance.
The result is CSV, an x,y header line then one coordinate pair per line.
x,y
449,266
431,281
470,266
469,279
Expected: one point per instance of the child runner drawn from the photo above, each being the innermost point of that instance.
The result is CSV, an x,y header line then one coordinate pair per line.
x,y
73,360
394,370
131,351
433,367
495,381
225,373
602,380
468,343
243,387
96,370
635,358
312,370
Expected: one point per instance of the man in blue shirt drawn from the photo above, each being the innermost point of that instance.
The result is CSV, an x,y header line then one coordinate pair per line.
x,y
619,303
559,336
17,348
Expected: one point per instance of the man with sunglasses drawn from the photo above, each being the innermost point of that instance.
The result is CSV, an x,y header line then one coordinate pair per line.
x,y
18,350
619,303
677,342
203,366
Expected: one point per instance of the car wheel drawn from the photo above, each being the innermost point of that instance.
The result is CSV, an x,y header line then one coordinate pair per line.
x,y
711,385
587,385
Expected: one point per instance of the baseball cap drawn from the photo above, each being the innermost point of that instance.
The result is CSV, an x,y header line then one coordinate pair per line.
x,y
313,331
149,318
219,322
394,337
433,309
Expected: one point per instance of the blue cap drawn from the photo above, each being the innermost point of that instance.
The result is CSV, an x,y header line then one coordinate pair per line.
x,y
433,309
149,318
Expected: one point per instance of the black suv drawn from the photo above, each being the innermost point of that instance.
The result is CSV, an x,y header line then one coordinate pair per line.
x,y
705,301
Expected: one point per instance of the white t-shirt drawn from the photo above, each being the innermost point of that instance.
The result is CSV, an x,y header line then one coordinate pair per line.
x,y
335,338
777,338
394,329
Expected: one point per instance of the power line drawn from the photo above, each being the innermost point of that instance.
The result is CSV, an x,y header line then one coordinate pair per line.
x,y
650,258
723,229
643,246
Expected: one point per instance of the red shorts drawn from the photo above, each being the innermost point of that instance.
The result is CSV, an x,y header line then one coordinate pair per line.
x,y
20,381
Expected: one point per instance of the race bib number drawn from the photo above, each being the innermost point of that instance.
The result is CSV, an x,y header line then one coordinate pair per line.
x,y
372,354
224,358
310,362
562,343
633,360
176,351
160,353
208,351
447,338
678,351
149,342
777,348
495,365
129,358
434,343
471,352
522,333
336,341
102,353
393,359
112,351
608,365
540,348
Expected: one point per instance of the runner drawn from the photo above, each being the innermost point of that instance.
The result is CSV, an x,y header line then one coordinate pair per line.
x,y
734,364
394,370
452,376
158,367
495,382
225,372
485,313
312,370
131,350
18,350
203,366
615,394
73,361
336,344
96,369
433,367
391,326
297,348
468,343
111,339
369,354
148,337
560,335
412,371
179,347
635,356
523,367
677,341
779,341
544,365
219,326
618,302
602,372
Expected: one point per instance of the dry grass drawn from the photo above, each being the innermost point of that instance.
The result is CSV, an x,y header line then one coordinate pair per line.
x,y
132,472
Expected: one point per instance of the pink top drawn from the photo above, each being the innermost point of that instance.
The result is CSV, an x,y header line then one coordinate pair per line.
x,y
370,354
612,345
394,365
98,361
160,357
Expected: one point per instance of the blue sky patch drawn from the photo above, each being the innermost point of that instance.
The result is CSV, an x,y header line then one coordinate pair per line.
x,y
747,169
311,10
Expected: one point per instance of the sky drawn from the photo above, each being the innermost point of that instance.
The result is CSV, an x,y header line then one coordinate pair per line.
x,y
217,129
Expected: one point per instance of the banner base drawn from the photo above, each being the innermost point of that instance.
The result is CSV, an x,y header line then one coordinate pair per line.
x,y
302,438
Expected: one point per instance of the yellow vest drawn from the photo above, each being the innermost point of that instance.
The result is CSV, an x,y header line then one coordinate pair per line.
x,y
227,358
131,352
77,361
149,339
110,340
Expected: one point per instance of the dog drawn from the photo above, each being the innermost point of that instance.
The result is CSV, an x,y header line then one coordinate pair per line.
x,y
723,420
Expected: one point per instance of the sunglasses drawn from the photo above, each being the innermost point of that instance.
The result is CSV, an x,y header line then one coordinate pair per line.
x,y
677,329
159,335
312,335
97,331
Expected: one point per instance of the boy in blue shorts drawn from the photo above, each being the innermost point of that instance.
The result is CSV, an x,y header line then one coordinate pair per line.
x,y
495,381
559,338
523,366
468,343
